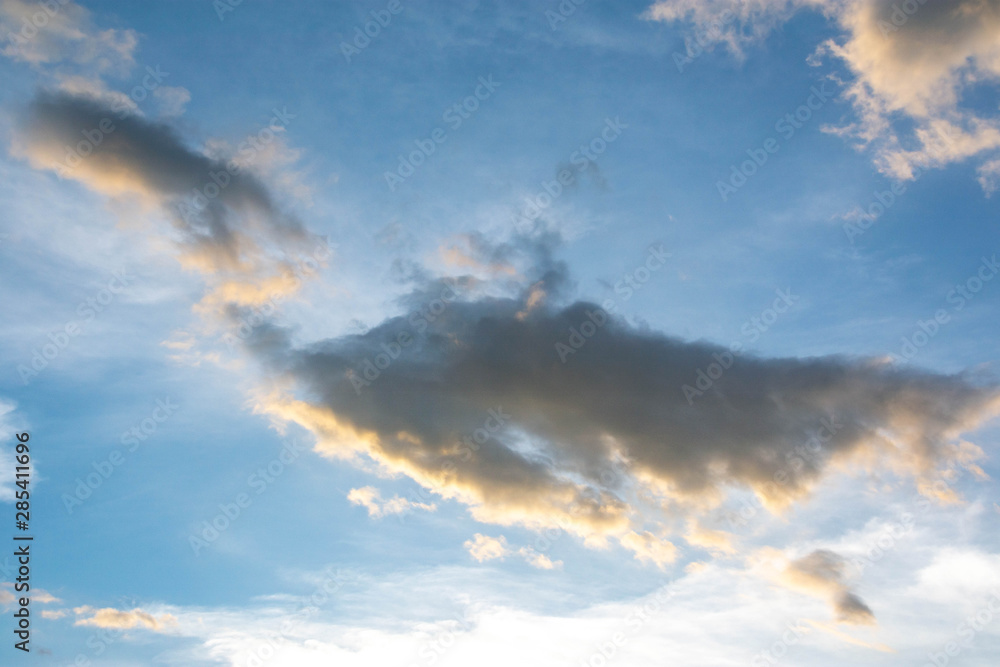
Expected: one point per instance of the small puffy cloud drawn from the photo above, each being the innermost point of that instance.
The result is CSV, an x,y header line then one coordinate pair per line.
x,y
49,33
122,620
7,451
989,177
370,498
824,573
539,560
484,548
171,100
53,614
6,597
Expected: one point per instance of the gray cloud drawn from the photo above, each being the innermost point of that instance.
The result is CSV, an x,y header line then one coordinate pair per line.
x,y
224,220
824,572
467,394
606,443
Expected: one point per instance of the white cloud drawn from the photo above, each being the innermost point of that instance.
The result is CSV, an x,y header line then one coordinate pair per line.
x,y
122,620
370,498
484,548
914,60
737,23
42,596
48,33
172,99
956,575
715,541
649,547
539,560
98,90
989,176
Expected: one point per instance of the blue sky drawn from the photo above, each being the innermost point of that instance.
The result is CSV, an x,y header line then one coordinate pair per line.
x,y
834,476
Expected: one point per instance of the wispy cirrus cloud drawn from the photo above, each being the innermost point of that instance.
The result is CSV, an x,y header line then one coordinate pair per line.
x,y
48,33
